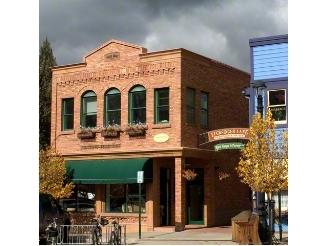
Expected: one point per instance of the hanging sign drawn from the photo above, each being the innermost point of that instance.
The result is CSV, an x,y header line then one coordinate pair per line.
x,y
223,134
224,146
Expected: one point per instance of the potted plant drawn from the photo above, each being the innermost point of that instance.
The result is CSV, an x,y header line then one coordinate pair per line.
x,y
138,129
86,133
189,174
111,131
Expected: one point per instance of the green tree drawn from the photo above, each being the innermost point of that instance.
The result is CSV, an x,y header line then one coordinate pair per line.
x,y
46,61
53,178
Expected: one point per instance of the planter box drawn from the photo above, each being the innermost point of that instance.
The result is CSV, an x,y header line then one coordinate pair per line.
x,y
110,133
136,132
86,135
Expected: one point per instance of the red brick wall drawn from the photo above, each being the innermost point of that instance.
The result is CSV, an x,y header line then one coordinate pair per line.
x,y
227,107
150,77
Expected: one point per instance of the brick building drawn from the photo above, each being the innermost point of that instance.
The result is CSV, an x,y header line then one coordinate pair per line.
x,y
154,105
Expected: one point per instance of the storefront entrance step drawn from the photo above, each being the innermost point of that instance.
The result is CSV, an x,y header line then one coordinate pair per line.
x,y
165,229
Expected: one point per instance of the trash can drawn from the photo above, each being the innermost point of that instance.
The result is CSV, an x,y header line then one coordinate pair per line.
x,y
245,228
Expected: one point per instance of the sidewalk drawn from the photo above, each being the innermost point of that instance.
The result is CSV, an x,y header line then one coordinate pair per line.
x,y
213,235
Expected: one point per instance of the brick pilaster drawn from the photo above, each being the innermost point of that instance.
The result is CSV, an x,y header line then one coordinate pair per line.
x,y
180,196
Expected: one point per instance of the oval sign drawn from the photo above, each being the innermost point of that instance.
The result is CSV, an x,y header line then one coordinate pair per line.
x,y
161,138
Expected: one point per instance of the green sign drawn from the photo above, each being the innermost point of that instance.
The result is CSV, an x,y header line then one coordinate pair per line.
x,y
224,146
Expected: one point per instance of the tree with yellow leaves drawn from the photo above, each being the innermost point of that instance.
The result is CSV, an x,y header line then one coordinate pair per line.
x,y
264,161
52,174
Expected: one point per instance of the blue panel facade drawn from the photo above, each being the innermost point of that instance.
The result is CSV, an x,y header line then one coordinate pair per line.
x,y
269,64
270,61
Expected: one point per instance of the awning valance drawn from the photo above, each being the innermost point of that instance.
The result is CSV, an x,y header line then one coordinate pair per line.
x,y
122,171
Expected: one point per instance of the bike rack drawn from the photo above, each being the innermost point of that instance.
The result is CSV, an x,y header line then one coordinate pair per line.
x,y
85,234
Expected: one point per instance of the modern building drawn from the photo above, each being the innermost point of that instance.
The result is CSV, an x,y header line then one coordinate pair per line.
x,y
269,85
154,105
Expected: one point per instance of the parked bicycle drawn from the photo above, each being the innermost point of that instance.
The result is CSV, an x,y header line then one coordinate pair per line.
x,y
115,236
97,230
52,232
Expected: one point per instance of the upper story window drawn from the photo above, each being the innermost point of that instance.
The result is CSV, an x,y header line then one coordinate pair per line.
x,y
204,109
89,109
190,105
113,107
67,114
162,105
277,105
137,105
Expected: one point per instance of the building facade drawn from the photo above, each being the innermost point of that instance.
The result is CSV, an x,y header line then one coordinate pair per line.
x,y
124,110
269,80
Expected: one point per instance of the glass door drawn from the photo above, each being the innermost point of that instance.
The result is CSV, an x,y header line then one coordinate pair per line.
x,y
195,199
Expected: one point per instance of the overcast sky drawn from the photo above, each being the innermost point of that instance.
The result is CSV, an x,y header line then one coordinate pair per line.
x,y
219,29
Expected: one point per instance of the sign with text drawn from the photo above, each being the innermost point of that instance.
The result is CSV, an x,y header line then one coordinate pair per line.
x,y
223,134
224,146
140,177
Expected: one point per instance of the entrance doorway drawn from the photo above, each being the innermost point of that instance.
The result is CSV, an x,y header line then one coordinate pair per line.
x,y
195,198
165,202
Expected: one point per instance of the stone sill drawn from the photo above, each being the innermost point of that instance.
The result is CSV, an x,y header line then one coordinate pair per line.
x,y
160,126
70,132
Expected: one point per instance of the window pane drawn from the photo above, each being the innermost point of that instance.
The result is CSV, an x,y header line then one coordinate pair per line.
x,y
114,117
91,105
203,100
138,115
277,97
138,99
203,118
68,106
163,114
115,198
133,198
90,120
68,122
278,113
113,101
162,97
190,115
190,97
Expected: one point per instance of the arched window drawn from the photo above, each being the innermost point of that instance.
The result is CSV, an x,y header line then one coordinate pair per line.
x,y
113,107
137,105
89,109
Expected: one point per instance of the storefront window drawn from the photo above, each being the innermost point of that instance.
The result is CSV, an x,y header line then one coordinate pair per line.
x,y
113,107
89,110
137,105
82,199
277,105
162,105
124,198
67,114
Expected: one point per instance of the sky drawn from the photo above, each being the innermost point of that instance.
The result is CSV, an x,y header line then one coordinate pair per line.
x,y
219,29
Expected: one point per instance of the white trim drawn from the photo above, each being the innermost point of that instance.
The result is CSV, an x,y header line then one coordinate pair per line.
x,y
278,105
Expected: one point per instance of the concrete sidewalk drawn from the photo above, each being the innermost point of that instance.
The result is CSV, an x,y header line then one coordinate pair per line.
x,y
213,235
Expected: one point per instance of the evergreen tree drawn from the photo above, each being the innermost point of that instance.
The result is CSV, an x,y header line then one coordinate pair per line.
x,y
46,61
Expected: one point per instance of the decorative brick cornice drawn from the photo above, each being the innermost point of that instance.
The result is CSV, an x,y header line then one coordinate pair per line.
x,y
129,72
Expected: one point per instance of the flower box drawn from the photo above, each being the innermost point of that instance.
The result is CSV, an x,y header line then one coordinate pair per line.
x,y
86,134
134,130
111,131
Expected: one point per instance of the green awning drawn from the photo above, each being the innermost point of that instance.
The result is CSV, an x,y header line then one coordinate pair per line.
x,y
108,171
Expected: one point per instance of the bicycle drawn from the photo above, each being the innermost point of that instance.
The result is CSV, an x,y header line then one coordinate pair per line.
x,y
52,232
96,231
115,236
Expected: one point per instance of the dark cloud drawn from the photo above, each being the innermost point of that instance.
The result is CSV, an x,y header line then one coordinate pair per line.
x,y
217,29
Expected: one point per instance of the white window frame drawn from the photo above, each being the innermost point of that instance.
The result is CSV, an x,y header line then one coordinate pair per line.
x,y
278,105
